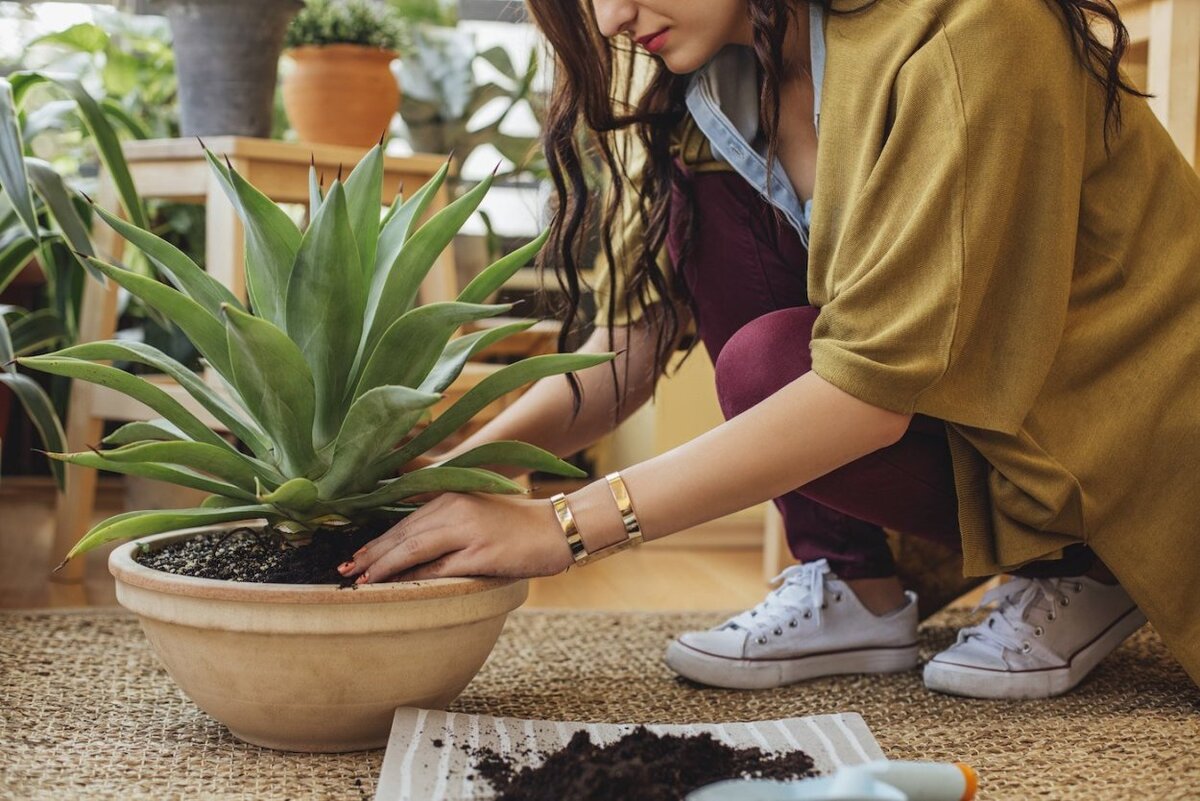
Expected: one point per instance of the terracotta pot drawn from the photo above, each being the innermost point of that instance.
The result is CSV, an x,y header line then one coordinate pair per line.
x,y
341,94
314,668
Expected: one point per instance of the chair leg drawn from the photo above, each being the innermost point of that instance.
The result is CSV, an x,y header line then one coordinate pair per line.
x,y
75,507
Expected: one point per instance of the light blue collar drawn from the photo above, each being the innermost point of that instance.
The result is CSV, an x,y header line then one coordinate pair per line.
x,y
723,100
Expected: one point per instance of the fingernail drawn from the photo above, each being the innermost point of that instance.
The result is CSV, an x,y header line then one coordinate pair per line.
x,y
346,567
363,579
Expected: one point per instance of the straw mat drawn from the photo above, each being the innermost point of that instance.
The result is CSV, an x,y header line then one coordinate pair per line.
x,y
86,712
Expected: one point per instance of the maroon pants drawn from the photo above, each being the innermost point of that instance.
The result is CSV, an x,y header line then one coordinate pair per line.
x,y
746,269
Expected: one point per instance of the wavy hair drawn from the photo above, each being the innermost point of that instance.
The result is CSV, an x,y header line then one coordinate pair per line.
x,y
600,95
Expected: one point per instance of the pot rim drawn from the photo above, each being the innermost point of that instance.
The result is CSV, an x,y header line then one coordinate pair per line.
x,y
127,570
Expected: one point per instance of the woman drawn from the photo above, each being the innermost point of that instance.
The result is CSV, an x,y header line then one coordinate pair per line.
x,y
972,314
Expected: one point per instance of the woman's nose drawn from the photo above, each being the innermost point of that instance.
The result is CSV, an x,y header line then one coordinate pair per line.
x,y
614,16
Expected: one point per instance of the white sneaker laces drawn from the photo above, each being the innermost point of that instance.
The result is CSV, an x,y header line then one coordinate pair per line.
x,y
1008,625
800,594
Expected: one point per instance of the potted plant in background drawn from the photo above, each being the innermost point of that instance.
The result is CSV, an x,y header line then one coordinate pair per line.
x,y
227,58
341,90
330,367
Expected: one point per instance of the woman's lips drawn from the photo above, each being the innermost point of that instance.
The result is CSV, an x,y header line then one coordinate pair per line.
x,y
655,41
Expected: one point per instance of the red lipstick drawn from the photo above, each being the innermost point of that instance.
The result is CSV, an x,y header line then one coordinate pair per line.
x,y
655,41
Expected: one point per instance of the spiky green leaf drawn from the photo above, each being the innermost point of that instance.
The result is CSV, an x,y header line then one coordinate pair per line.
x,y
450,364
144,431
400,282
486,391
275,384
40,409
14,257
35,331
227,465
130,385
54,192
218,407
374,425
412,345
204,330
108,146
315,195
299,494
325,300
272,241
140,524
363,190
175,265
515,454
156,471
14,179
483,285
432,479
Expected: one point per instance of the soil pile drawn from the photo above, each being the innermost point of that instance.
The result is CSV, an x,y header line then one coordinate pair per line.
x,y
641,765
263,557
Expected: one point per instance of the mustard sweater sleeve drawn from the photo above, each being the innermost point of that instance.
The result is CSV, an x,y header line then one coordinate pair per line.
x,y
945,285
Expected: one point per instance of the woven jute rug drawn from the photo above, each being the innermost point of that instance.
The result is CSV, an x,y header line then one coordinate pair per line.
x,y
87,712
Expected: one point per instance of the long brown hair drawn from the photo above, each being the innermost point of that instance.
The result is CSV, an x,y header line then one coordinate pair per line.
x,y
597,95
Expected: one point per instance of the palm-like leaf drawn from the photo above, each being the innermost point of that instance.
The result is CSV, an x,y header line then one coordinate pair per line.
x,y
329,373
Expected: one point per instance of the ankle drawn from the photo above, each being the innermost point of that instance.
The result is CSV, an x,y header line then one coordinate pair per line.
x,y
878,595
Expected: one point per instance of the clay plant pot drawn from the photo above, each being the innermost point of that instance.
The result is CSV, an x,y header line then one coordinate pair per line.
x,y
313,667
341,94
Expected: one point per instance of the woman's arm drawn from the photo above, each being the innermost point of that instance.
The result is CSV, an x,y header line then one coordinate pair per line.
x,y
542,416
807,429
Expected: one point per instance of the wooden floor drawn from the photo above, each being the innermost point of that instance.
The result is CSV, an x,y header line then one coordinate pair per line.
x,y
655,577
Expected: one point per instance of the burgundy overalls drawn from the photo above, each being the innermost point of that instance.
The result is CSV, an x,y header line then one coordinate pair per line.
x,y
746,268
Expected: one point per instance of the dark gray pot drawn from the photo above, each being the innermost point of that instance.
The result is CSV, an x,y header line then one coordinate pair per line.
x,y
227,56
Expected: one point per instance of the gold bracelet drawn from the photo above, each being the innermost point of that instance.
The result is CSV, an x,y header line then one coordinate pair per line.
x,y
633,529
571,531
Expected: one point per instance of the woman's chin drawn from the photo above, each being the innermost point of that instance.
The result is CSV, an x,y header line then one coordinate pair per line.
x,y
682,63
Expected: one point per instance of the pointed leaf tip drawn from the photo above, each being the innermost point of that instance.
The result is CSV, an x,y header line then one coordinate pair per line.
x,y
202,145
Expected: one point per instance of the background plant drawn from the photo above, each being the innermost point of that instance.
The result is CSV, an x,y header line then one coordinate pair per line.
x,y
445,105
126,63
359,22
331,366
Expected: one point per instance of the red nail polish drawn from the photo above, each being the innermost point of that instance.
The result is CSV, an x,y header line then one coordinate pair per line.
x,y
346,567
363,579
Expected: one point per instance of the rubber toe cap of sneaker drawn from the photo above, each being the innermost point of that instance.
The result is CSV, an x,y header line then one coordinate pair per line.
x,y
726,643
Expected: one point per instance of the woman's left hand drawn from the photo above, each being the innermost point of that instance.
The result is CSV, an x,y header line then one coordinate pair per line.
x,y
459,534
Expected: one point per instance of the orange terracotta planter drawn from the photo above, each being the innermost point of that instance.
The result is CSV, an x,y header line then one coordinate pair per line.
x,y
341,94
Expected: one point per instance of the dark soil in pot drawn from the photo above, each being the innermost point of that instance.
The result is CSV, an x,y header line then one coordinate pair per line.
x,y
263,557
641,765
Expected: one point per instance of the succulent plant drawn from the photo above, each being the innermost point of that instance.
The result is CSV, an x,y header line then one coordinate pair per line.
x,y
332,366
360,22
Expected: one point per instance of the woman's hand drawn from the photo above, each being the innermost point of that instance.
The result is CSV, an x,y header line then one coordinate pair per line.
x,y
459,534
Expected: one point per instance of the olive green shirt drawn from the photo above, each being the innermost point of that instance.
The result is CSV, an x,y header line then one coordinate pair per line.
x,y
978,257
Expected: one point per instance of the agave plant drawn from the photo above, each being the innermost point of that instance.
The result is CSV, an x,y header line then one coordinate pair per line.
x,y
332,366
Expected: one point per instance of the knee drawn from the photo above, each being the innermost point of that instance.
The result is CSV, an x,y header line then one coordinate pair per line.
x,y
762,357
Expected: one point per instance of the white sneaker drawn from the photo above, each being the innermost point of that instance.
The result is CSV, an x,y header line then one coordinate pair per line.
x,y
1043,638
811,625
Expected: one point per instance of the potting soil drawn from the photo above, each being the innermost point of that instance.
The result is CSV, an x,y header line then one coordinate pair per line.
x,y
263,557
641,765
